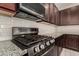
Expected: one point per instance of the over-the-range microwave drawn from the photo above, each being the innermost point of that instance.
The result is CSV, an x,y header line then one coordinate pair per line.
x,y
35,9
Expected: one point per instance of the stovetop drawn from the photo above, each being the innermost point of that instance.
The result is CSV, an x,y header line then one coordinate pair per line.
x,y
30,39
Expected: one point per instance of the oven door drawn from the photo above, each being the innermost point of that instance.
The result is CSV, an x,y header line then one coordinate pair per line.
x,y
52,51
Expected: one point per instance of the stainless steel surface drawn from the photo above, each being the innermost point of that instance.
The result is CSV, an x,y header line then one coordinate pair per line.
x,y
41,46
36,49
47,43
34,43
52,41
24,30
28,10
30,13
47,52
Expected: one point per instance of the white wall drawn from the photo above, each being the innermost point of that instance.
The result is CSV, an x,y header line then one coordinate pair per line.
x,y
73,29
6,24
62,6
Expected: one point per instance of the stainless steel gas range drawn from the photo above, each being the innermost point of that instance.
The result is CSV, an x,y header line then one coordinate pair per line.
x,y
36,45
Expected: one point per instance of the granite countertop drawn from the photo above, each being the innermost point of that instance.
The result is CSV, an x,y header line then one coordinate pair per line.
x,y
7,48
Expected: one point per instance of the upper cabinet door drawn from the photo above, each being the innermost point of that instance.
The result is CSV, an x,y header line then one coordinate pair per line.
x,y
51,13
47,12
9,6
70,16
56,15
74,14
65,17
8,9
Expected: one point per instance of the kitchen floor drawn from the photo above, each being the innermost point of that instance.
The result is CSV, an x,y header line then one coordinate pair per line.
x,y
67,52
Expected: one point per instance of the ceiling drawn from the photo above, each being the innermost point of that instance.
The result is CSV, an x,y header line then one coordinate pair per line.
x,y
62,6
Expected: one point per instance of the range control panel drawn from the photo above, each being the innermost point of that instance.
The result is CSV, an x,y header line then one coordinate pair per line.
x,y
40,47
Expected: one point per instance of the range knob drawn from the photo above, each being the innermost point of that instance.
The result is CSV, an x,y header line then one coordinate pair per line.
x,y
41,46
52,41
36,49
47,43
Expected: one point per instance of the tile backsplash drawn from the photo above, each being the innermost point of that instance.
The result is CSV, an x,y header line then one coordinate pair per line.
x,y
6,24
72,29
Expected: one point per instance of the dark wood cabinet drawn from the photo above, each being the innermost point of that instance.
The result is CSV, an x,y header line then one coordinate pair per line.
x,y
68,41
69,16
51,13
58,43
47,10
56,15
8,8
64,17
72,42
74,14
